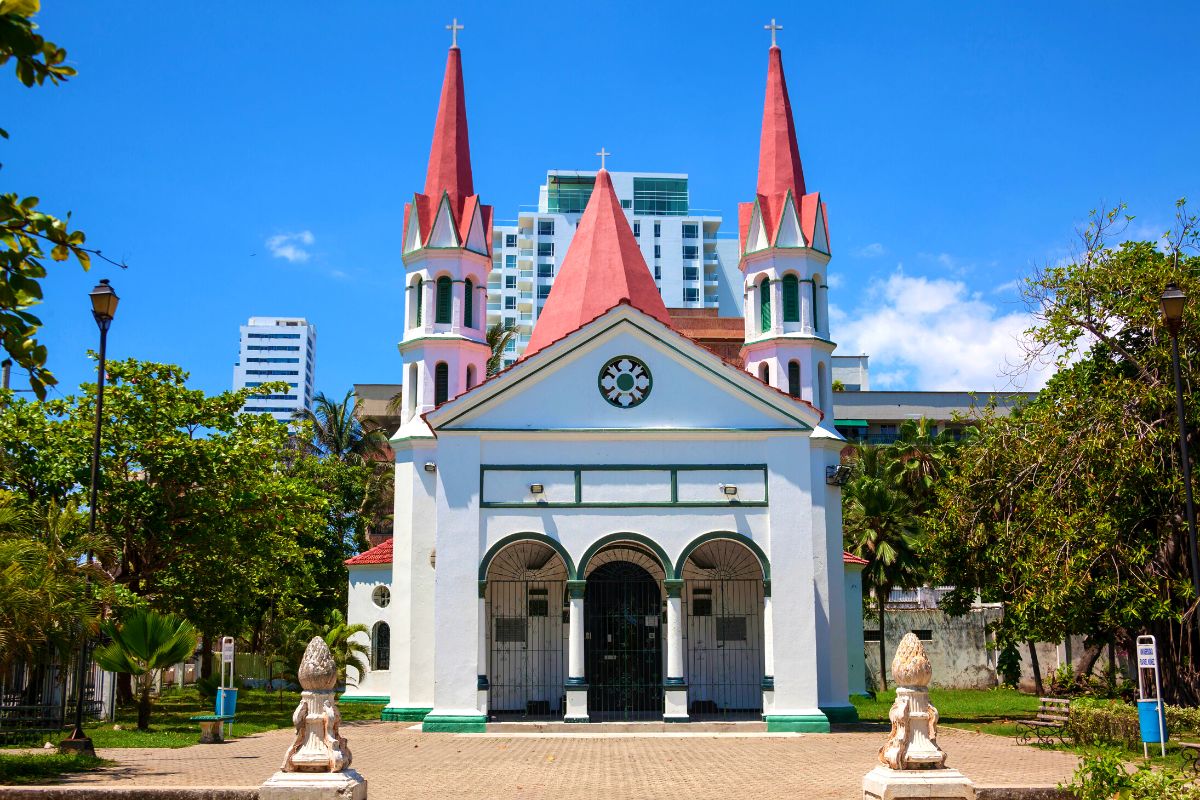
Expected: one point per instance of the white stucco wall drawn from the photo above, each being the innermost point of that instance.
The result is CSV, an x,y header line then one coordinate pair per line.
x,y
362,610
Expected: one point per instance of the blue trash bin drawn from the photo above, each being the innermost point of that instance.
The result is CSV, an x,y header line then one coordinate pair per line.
x,y
1150,713
226,702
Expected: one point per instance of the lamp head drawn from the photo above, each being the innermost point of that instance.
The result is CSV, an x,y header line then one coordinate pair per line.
x,y
104,303
1173,301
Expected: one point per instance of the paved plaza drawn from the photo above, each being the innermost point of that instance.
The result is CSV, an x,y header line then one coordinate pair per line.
x,y
398,762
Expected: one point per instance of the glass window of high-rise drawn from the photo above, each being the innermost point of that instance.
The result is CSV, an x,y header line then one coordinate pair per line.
x,y
690,252
660,196
691,295
510,281
691,230
637,228
658,251
510,240
568,194
545,270
545,227
545,248
657,229
510,261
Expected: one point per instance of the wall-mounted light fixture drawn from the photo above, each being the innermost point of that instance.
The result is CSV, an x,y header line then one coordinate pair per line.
x,y
837,474
729,489
430,466
536,488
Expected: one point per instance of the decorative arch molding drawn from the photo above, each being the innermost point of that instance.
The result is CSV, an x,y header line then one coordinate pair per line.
x,y
614,538
732,536
527,536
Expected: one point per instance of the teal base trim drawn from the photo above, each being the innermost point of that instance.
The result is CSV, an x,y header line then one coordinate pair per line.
x,y
576,719
675,683
396,714
840,713
448,724
804,723
677,719
373,699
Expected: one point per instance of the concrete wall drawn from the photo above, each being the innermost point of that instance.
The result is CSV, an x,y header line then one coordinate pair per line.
x,y
362,610
957,648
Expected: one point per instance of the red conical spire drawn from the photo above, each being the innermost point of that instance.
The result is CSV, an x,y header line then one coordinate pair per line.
x,y
779,166
603,268
450,155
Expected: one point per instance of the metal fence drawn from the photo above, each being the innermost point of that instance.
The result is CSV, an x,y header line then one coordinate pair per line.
x,y
624,623
724,648
36,700
527,644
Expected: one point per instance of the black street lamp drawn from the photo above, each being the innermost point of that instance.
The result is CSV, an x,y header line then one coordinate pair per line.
x,y
1173,302
104,307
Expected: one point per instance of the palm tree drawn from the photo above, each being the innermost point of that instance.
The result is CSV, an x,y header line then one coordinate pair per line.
x,y
881,526
348,652
338,431
498,337
143,645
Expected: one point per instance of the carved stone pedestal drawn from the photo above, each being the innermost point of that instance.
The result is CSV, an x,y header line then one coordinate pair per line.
x,y
344,785
883,783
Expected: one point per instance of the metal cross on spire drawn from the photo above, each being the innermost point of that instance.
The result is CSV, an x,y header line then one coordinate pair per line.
x,y
603,154
454,28
772,28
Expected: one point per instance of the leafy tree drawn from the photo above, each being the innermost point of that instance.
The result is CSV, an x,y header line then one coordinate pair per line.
x,y
26,232
1070,511
498,337
338,431
143,645
348,651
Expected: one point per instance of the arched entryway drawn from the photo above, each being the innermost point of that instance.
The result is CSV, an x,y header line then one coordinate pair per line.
x,y
623,633
724,583
525,606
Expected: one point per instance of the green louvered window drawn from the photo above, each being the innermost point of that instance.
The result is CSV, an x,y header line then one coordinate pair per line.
x,y
419,288
468,304
764,304
794,378
791,298
441,383
444,301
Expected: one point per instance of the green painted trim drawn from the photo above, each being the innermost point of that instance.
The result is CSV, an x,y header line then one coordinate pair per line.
x,y
454,338
804,723
768,683
720,376
763,340
573,720
663,560
732,536
675,684
397,714
766,588
675,486
663,504
676,719
453,724
554,544
619,467
578,486
840,714
576,685
674,586
575,588
629,430
481,683
372,699
482,589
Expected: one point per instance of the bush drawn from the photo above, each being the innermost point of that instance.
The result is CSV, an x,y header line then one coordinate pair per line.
x,y
1102,776
1101,722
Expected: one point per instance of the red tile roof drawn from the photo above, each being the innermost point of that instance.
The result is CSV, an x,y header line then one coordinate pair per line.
x,y
603,268
850,558
379,554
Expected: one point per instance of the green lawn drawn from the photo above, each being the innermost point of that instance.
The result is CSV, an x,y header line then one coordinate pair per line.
x,y
27,768
257,710
984,710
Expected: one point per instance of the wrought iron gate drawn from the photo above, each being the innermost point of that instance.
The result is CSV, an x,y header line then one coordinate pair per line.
x,y
527,641
623,642
724,636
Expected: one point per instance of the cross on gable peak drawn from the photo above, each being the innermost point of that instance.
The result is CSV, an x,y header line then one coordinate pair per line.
x,y
454,28
603,155
773,28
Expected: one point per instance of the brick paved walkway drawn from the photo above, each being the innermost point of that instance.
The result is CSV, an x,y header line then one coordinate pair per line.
x,y
399,762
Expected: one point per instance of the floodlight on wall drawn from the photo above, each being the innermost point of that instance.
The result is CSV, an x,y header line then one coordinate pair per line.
x,y
729,489
837,474
430,466
536,488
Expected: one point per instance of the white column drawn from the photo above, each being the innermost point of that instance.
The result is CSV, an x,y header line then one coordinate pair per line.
x,y
675,690
457,304
768,639
482,686
429,310
806,309
576,688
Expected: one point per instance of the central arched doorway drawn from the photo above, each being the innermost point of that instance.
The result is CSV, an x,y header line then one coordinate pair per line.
x,y
624,635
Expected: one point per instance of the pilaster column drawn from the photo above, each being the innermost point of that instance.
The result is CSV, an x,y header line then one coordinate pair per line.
x,y
806,307
577,687
429,310
482,685
457,305
675,706
768,681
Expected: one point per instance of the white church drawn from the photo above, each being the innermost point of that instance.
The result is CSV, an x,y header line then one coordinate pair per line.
x,y
621,525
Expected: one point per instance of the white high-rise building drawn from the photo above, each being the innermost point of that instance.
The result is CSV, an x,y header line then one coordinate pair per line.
x,y
694,265
277,349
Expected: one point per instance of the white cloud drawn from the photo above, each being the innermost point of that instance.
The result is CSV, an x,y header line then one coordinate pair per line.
x,y
834,281
936,334
290,246
1007,286
872,250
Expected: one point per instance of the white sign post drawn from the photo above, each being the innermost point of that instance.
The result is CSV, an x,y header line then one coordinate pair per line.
x,y
1147,660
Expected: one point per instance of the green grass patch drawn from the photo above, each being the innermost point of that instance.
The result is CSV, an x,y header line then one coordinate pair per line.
x,y
984,710
17,769
257,711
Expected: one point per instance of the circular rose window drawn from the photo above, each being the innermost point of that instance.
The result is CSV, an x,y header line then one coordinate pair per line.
x,y
381,596
625,381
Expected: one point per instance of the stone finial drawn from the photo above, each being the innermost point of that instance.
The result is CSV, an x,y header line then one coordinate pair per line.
x,y
319,745
318,671
913,740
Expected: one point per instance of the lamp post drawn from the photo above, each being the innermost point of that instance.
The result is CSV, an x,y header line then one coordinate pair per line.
x,y
104,307
1173,302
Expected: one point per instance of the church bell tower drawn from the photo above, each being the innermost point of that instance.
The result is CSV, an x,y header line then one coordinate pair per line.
x,y
785,254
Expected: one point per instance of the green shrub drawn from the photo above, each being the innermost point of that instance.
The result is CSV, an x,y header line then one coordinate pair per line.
x,y
1104,722
1102,776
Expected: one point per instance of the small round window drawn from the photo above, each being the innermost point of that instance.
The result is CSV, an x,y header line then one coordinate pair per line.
x,y
624,381
382,596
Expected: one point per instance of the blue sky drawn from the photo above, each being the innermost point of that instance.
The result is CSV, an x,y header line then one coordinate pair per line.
x,y
958,145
